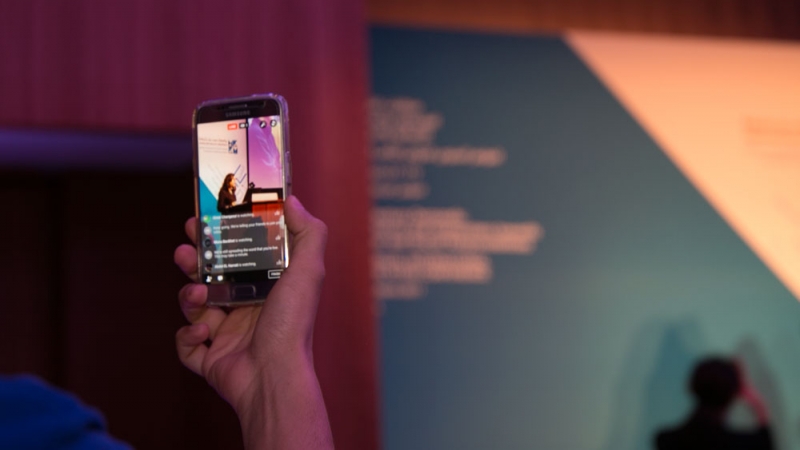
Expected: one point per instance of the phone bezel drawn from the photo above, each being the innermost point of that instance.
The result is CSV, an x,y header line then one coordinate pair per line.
x,y
241,108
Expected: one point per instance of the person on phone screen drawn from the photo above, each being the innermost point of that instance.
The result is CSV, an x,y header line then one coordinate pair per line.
x,y
715,384
227,194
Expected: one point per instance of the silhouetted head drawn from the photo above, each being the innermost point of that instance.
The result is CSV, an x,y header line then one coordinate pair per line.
x,y
715,383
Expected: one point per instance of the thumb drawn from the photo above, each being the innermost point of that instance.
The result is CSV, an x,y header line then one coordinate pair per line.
x,y
307,258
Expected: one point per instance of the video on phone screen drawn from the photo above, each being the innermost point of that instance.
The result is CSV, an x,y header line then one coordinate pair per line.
x,y
241,197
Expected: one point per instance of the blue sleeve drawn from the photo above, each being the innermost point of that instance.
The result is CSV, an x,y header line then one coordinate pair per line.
x,y
34,415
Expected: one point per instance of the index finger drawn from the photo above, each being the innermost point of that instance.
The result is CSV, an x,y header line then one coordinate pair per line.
x,y
191,229
186,259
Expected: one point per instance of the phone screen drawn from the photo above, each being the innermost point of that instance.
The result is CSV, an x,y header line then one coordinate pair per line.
x,y
241,190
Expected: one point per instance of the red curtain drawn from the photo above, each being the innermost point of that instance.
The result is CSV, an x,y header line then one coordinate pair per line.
x,y
91,296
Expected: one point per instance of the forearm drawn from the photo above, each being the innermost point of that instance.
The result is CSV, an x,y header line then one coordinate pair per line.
x,y
286,411
757,405
760,411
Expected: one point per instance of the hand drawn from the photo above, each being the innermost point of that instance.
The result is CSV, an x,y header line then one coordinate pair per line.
x,y
260,358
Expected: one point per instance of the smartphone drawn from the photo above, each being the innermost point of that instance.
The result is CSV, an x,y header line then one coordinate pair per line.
x,y
242,176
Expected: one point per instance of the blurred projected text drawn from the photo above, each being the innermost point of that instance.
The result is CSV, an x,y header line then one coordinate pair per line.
x,y
416,245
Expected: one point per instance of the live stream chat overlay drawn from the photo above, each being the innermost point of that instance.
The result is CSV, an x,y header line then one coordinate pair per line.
x,y
248,240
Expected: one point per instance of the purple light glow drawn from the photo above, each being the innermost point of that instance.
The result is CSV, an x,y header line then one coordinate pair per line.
x,y
78,150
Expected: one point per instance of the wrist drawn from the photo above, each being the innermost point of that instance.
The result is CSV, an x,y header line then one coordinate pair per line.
x,y
284,408
271,375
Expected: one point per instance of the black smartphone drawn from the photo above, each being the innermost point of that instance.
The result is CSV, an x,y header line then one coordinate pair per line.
x,y
242,175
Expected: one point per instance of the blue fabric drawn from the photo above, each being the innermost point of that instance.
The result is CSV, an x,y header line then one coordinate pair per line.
x,y
34,415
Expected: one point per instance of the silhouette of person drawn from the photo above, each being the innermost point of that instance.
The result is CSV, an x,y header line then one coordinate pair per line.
x,y
715,384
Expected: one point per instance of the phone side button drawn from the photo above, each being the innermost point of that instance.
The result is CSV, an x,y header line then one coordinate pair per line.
x,y
288,169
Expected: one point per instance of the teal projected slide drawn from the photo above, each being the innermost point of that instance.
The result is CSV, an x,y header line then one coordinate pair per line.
x,y
547,276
